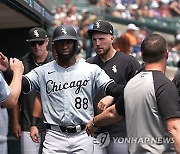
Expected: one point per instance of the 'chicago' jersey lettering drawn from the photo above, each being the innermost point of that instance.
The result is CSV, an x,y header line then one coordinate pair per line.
x,y
52,86
67,93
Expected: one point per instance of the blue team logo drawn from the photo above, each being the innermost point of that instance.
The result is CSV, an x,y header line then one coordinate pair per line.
x,y
103,139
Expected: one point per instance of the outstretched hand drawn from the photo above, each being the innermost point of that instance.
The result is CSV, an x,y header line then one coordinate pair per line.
x,y
4,63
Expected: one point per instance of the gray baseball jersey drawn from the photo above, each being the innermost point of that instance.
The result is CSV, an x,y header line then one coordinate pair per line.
x,y
5,89
67,93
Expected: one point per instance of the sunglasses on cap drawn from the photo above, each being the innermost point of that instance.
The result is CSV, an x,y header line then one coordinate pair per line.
x,y
33,43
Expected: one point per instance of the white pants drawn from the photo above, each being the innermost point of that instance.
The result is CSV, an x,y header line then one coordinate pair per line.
x,y
57,142
3,146
28,146
3,130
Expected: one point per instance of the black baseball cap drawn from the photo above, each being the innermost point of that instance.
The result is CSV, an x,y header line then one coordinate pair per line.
x,y
101,26
64,32
36,34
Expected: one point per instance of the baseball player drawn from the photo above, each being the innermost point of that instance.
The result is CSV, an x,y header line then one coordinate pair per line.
x,y
22,113
8,97
67,87
120,67
150,104
10,94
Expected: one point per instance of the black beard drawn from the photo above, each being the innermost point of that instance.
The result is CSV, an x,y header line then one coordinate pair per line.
x,y
65,58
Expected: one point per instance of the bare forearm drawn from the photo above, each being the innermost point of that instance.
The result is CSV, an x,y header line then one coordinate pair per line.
x,y
15,113
177,144
37,110
16,86
109,116
175,133
173,126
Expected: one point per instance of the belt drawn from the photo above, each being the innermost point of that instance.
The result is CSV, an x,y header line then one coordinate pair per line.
x,y
68,129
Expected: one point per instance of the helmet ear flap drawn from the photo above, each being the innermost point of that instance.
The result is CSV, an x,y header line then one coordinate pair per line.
x,y
78,47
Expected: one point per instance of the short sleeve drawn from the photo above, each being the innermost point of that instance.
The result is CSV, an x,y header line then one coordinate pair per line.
x,y
32,80
167,100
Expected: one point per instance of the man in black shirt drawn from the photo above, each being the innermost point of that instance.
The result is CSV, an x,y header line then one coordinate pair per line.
x,y
150,101
121,68
22,113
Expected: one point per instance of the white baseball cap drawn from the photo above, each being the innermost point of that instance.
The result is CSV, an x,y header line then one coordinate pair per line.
x,y
132,26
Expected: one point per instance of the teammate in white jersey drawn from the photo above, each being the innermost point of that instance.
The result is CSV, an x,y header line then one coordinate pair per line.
x,y
67,87
8,96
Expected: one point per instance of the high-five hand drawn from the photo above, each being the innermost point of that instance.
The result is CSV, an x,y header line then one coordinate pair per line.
x,y
4,63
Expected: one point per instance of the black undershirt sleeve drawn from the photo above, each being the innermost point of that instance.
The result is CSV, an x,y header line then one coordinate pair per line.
x,y
25,85
8,75
114,89
119,106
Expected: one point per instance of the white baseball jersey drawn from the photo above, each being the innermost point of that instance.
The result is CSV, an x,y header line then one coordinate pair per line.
x,y
67,93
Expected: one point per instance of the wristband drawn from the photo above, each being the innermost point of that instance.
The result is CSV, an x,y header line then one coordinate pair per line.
x,y
34,121
93,123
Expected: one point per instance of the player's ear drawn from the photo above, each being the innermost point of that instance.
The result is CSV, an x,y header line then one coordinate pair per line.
x,y
46,41
112,38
